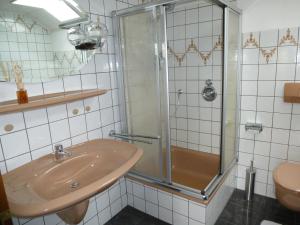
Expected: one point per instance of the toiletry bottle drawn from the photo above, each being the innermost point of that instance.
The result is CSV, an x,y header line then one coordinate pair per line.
x,y
22,95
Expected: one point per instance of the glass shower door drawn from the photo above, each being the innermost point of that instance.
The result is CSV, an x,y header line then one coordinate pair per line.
x,y
231,118
142,41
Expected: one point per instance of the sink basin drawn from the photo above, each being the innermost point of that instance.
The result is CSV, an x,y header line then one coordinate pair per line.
x,y
46,185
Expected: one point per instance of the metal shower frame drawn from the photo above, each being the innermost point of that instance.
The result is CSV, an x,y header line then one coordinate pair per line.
x,y
204,194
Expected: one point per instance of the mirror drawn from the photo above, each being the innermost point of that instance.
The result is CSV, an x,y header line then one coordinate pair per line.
x,y
31,37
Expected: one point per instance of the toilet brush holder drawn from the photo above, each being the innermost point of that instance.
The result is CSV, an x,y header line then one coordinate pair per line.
x,y
250,182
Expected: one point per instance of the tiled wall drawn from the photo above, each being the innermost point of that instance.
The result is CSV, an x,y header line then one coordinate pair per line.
x,y
270,58
25,41
195,54
178,210
35,132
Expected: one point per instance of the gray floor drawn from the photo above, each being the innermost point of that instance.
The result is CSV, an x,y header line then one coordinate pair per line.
x,y
131,216
237,212
240,212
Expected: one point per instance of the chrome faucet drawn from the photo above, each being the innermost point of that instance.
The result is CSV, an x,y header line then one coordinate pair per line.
x,y
60,153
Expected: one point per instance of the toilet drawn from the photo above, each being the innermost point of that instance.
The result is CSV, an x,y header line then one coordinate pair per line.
x,y
287,185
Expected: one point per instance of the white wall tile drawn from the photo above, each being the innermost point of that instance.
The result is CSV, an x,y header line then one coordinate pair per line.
x,y
261,162
262,148
249,87
138,190
196,212
107,116
287,54
194,222
18,161
248,103
102,200
79,139
294,138
139,204
152,209
35,117
116,207
286,72
250,56
266,88
245,158
179,219
265,118
57,112
246,146
281,120
250,72
265,104
280,136
267,72
77,125
294,153
41,152
59,130
89,81
105,215
39,137
165,199
75,108
268,38
93,120
114,192
295,122
165,215
72,83
279,151
151,195
14,144
180,205
265,135
282,107
15,119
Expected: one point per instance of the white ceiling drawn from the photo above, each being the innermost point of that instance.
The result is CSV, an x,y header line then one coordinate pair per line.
x,y
245,4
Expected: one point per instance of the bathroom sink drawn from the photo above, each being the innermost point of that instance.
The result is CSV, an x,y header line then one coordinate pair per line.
x,y
47,185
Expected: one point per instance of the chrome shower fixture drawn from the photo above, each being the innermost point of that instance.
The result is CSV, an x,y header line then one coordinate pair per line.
x,y
209,92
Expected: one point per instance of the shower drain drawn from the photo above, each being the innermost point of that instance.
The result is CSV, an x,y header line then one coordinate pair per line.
x,y
74,184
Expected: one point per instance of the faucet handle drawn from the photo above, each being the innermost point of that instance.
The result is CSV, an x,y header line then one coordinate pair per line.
x,y
59,147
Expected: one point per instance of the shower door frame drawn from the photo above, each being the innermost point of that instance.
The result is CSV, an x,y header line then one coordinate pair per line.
x,y
204,194
121,84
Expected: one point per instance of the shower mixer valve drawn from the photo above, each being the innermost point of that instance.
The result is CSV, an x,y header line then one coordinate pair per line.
x,y
209,92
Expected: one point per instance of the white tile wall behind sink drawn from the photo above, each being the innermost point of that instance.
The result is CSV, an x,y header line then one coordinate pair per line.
x,y
36,131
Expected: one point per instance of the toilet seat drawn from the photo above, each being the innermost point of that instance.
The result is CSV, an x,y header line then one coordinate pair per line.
x,y
287,185
288,176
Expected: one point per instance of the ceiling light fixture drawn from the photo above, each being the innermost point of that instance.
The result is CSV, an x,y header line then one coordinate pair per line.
x,y
62,10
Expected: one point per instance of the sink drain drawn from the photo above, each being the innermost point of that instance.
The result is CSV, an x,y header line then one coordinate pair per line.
x,y
74,184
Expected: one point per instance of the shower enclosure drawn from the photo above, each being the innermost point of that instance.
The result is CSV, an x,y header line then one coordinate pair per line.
x,y
177,65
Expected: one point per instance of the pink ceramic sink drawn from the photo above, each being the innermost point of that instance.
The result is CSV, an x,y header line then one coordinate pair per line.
x,y
47,185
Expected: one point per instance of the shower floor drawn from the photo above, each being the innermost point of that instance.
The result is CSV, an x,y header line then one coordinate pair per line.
x,y
193,169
